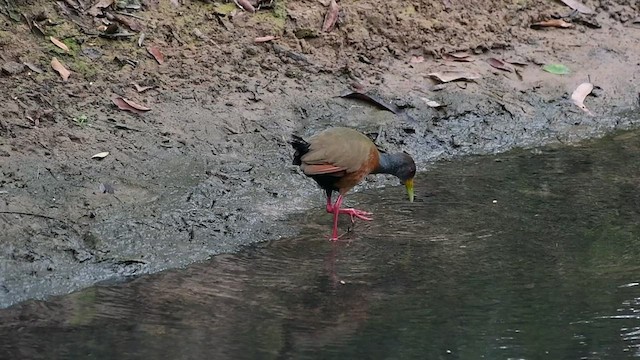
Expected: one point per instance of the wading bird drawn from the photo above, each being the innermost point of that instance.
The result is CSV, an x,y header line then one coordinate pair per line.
x,y
339,158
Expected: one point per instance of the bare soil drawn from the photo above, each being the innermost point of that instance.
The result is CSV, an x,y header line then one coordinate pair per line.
x,y
207,169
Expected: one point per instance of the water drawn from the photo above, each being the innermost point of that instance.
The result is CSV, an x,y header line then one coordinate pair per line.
x,y
528,255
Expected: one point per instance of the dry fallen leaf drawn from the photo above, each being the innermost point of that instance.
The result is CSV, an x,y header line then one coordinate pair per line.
x,y
580,93
577,5
452,75
96,9
499,64
380,103
130,23
142,88
245,5
57,66
156,53
432,103
458,56
100,155
558,23
126,104
331,17
33,67
59,44
265,38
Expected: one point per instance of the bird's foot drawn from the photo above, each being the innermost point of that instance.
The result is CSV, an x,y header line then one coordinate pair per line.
x,y
355,213
335,237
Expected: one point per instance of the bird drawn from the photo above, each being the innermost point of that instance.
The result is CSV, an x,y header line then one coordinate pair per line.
x,y
339,158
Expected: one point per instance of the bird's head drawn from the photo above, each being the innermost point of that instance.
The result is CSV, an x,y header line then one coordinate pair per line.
x,y
406,171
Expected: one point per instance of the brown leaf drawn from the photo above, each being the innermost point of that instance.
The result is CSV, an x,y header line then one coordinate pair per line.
x,y
452,75
97,8
59,44
331,17
126,104
246,5
57,66
577,5
499,64
130,23
265,38
579,94
460,56
558,23
155,52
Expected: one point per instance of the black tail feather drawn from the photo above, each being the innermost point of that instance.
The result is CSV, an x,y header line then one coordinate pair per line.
x,y
301,147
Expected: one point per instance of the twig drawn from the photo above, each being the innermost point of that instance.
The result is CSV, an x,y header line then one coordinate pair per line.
x,y
28,214
132,15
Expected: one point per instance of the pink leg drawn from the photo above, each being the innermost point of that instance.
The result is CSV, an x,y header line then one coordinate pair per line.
x,y
329,205
336,210
354,213
336,213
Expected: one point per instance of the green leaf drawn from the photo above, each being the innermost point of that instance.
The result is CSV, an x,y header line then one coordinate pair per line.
x,y
557,69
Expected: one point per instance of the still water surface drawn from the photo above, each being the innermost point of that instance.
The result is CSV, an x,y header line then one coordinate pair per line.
x,y
527,255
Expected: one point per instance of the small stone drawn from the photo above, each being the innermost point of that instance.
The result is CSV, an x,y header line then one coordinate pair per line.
x,y
12,68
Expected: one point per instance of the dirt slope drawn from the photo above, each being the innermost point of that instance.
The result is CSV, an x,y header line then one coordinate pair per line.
x,y
207,168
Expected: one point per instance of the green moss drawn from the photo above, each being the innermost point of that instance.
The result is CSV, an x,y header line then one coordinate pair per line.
x,y
88,71
62,30
269,18
304,33
280,9
72,44
224,8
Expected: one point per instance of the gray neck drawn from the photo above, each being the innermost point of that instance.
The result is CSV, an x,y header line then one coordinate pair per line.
x,y
389,164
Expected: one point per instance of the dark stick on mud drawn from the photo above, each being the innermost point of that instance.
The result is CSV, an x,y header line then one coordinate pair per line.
x,y
28,214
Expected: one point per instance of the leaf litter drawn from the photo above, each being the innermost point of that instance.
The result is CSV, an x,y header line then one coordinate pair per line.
x,y
458,56
142,88
245,5
578,6
156,53
100,155
432,103
371,99
454,75
263,39
59,44
557,69
556,23
331,17
57,66
128,105
579,94
500,64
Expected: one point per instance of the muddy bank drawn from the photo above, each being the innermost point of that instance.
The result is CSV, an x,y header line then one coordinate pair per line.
x,y
208,168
